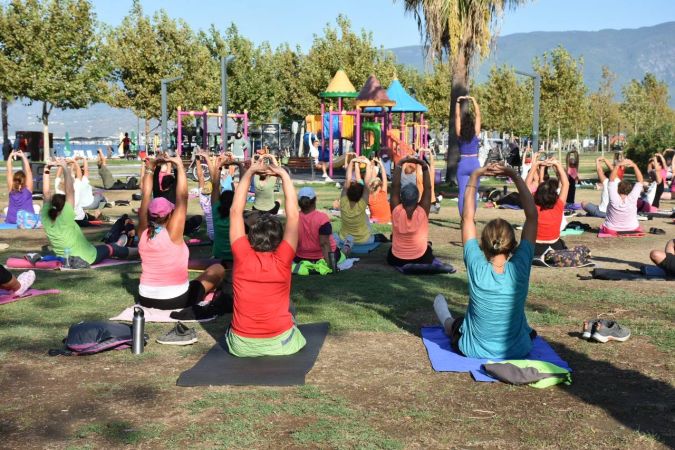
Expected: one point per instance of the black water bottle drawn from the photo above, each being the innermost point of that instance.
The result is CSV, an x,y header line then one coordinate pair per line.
x,y
138,331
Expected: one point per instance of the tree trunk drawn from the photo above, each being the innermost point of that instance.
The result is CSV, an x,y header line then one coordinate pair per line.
x,y
602,138
148,140
46,148
559,144
460,82
5,127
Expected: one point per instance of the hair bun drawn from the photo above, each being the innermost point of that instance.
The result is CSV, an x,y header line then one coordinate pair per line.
x,y
497,244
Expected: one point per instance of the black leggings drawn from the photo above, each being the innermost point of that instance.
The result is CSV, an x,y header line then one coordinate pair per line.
x,y
572,191
658,194
5,275
192,296
539,249
452,326
106,251
426,258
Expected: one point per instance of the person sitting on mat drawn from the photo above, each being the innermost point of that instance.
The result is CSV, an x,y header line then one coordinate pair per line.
x,y
410,218
315,233
164,280
164,179
600,210
659,166
498,269
378,201
665,259
623,197
262,323
58,220
355,226
221,201
264,189
20,186
16,285
88,199
550,208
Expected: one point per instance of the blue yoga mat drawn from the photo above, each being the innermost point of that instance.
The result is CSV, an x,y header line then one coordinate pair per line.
x,y
444,359
364,249
8,226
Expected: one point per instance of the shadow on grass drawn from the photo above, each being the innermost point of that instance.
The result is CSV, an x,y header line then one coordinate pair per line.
x,y
632,398
634,264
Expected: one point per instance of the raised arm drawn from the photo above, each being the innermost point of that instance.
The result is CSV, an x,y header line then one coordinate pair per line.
x,y
76,168
661,160
368,175
290,206
477,120
395,199
101,158
10,171
458,115
384,176
469,211
527,202
68,183
146,190
237,228
534,170
348,178
638,173
27,171
176,225
599,169
85,172
46,188
562,179
215,166
615,171
425,202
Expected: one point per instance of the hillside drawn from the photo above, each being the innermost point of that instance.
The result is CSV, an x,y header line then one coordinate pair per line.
x,y
630,53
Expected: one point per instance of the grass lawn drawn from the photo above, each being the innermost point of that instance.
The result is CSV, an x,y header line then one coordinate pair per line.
x,y
372,386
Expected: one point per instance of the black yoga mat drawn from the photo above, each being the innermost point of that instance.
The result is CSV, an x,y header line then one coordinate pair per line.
x,y
630,275
219,368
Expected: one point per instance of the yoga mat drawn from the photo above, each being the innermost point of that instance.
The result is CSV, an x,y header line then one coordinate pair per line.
x,y
364,249
437,267
115,262
154,315
572,232
509,207
219,368
8,296
8,226
647,273
624,235
444,359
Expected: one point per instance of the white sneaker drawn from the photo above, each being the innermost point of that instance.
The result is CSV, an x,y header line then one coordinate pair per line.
x,y
26,280
347,245
328,179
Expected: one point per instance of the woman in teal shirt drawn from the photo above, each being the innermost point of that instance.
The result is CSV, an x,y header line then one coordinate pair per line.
x,y
498,270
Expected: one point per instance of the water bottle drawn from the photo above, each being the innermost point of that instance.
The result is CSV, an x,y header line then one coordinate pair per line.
x,y
138,335
332,263
66,256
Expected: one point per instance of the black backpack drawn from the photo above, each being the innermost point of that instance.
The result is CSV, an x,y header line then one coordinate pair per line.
x,y
87,338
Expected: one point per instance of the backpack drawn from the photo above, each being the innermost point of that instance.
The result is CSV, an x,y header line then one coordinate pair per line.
x,y
578,256
87,338
132,184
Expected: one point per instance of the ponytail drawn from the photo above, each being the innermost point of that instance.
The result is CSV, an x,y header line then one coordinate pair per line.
x,y
56,206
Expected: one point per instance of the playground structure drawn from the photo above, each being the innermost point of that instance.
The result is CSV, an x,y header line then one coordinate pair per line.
x,y
204,116
375,104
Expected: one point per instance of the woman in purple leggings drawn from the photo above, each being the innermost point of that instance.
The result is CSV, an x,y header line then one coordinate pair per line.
x,y
467,129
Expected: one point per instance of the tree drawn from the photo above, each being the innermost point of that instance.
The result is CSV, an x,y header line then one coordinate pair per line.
x,y
435,94
645,104
54,46
642,145
461,30
603,110
563,93
506,103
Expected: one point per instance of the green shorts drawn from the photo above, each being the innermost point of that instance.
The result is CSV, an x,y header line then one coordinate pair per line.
x,y
287,343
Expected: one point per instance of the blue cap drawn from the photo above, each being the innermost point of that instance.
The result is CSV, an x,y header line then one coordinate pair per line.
x,y
307,192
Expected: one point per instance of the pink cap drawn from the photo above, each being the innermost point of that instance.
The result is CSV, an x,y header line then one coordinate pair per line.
x,y
160,207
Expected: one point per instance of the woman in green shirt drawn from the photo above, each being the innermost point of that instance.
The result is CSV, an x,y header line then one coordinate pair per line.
x,y
220,206
58,220
264,190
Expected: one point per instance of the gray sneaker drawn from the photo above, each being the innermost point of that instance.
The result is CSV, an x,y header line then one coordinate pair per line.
x,y
608,330
179,335
587,330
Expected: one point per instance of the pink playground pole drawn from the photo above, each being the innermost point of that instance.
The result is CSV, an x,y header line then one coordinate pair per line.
x,y
246,124
179,140
340,104
358,132
323,111
423,131
330,142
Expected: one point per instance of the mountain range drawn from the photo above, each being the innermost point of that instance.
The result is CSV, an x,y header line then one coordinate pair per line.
x,y
630,53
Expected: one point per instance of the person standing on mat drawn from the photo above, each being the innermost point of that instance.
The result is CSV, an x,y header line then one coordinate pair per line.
x,y
262,323
164,280
58,220
498,269
16,285
410,218
468,130
665,259
20,186
623,198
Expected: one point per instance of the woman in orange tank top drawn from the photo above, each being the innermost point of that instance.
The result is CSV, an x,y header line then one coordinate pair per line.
x,y
378,201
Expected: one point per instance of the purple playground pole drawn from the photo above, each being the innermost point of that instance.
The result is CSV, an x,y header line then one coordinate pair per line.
x,y
413,132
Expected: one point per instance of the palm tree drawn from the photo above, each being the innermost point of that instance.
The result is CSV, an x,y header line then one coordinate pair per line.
x,y
460,30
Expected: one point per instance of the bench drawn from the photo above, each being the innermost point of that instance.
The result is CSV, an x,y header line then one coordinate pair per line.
x,y
296,163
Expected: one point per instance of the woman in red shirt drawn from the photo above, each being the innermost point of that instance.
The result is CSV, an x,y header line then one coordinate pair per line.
x,y
551,206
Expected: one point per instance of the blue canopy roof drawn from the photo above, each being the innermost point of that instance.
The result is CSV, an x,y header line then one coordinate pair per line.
x,y
404,101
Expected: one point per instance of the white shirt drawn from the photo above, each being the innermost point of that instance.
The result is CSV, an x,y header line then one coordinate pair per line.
x,y
604,195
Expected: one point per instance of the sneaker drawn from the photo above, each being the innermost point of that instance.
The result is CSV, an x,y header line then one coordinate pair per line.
x,y
122,241
328,179
347,245
26,280
179,335
435,208
587,329
609,330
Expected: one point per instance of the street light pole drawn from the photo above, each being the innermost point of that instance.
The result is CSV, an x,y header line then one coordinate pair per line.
x,y
165,114
535,119
224,61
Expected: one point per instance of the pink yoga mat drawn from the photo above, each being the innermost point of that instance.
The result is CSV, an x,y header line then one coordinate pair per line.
x,y
22,263
9,297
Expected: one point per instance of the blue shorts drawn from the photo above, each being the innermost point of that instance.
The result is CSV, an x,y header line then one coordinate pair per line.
x,y
324,156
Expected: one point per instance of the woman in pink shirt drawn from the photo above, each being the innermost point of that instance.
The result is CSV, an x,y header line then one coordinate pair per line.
x,y
315,232
164,255
623,197
410,219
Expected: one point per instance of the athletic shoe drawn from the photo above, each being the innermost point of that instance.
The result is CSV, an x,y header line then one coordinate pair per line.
x,y
347,245
587,329
435,208
328,179
179,335
26,280
122,241
609,330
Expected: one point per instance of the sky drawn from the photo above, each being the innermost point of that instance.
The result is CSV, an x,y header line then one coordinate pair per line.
x,y
296,21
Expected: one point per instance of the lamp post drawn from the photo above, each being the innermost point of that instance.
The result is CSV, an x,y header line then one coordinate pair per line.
x,y
224,61
535,119
165,114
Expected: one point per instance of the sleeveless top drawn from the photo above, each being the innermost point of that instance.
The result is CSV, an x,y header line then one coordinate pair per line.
x,y
164,266
410,236
309,246
21,200
469,148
